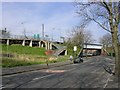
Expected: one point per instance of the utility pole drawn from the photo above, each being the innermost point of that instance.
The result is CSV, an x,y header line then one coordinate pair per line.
x,y
52,34
24,31
86,50
43,31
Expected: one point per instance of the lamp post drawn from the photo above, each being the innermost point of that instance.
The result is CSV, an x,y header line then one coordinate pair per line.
x,y
43,31
74,51
86,50
24,31
63,38
52,33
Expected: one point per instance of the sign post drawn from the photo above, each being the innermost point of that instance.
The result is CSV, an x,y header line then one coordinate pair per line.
x,y
74,51
75,48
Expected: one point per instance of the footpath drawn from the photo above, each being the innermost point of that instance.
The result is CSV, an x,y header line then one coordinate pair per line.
x,y
21,69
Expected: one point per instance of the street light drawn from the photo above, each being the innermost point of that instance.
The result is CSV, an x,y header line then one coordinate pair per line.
x,y
52,33
63,39
24,31
46,37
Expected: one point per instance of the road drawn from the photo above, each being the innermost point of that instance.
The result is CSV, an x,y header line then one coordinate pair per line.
x,y
89,74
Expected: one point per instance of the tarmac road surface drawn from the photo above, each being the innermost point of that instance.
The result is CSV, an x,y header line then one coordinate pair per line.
x,y
89,74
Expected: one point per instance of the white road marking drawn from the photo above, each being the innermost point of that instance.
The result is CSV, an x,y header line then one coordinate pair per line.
x,y
71,69
43,76
49,75
1,87
107,81
94,71
95,79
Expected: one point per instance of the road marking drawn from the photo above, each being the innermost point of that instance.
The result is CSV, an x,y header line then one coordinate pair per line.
x,y
43,77
95,79
107,81
54,71
51,74
71,69
94,71
1,87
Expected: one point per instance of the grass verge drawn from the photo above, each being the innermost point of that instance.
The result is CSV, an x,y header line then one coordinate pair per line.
x,y
24,56
18,49
12,62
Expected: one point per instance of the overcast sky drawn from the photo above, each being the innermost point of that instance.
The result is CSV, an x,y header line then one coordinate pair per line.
x,y
58,18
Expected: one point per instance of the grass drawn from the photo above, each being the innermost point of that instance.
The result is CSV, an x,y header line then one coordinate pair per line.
x,y
12,62
24,56
18,49
59,59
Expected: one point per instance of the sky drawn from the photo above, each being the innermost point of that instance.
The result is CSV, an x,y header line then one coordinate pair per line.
x,y
58,18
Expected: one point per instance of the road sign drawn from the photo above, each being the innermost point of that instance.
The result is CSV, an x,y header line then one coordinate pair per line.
x,y
75,48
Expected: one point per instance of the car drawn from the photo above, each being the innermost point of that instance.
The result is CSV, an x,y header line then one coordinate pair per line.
x,y
78,60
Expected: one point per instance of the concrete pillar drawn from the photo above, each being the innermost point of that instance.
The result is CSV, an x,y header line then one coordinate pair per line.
x,y
46,45
30,43
39,43
42,44
65,52
23,43
8,42
51,46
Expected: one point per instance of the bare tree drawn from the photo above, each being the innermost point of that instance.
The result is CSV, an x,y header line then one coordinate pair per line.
x,y
79,36
106,15
106,40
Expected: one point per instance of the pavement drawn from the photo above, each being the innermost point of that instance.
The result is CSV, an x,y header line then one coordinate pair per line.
x,y
89,74
22,69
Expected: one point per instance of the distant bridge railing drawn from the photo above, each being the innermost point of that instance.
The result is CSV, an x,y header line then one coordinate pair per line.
x,y
24,37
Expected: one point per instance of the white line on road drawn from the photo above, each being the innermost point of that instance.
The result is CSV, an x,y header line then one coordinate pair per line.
x,y
95,79
71,69
43,76
50,75
107,81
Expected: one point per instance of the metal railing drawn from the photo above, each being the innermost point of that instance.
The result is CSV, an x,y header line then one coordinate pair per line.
x,y
23,37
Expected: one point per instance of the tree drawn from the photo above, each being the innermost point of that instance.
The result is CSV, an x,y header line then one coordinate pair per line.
x,y
106,40
78,36
107,16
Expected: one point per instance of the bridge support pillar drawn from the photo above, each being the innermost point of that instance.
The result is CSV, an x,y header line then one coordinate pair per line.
x,y
42,45
30,43
65,52
23,43
39,43
8,41
50,46
46,45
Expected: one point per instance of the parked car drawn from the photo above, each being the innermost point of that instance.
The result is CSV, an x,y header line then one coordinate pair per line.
x,y
78,60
